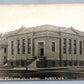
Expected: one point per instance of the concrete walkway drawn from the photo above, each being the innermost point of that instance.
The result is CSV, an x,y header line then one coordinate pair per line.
x,y
34,68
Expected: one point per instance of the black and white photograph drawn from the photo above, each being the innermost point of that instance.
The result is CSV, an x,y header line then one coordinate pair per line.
x,y
42,42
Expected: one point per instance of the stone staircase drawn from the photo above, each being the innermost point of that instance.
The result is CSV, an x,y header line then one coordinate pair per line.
x,y
30,61
33,64
39,62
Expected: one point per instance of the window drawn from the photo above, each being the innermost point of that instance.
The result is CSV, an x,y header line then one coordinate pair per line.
x,y
22,63
4,50
11,63
23,46
80,47
4,57
64,46
12,47
65,63
29,46
69,46
53,63
17,63
74,46
18,46
53,46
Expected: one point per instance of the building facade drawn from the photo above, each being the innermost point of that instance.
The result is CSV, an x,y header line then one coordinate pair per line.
x,y
45,46
3,49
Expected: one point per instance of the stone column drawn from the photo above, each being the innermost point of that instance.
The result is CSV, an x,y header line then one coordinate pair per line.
x,y
20,51
61,51
15,49
72,52
32,47
26,48
67,44
77,58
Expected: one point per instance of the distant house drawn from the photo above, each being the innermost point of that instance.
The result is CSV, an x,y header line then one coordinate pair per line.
x,y
44,46
3,49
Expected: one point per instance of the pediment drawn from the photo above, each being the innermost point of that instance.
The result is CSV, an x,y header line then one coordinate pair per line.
x,y
20,30
71,31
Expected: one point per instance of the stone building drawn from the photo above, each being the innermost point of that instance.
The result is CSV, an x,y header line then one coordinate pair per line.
x,y
3,49
45,46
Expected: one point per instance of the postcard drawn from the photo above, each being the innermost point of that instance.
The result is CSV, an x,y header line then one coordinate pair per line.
x,y
42,42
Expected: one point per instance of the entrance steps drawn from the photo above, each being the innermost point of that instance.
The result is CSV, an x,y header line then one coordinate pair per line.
x,y
33,64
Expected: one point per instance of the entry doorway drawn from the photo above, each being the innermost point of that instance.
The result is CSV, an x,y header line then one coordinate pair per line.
x,y
42,52
40,49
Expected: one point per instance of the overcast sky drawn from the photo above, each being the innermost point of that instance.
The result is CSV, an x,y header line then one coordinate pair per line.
x,y
14,16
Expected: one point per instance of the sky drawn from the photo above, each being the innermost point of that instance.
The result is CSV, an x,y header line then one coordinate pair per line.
x,y
14,16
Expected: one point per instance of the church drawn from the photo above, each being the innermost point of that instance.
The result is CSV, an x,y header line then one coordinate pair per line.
x,y
42,46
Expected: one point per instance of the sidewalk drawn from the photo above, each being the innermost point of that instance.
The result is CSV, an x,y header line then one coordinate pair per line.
x,y
50,68
34,68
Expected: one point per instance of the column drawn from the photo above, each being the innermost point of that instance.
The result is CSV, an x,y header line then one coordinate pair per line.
x,y
32,47
67,46
72,52
61,51
77,58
